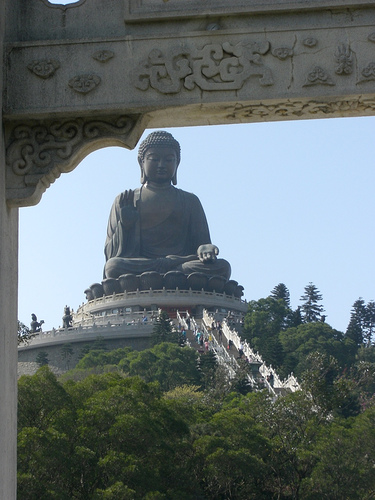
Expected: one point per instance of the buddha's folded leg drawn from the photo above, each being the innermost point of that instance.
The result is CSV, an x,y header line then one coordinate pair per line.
x,y
116,266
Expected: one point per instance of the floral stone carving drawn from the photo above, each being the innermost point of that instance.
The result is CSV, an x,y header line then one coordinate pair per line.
x,y
44,68
344,60
368,73
282,53
84,83
103,55
310,42
318,76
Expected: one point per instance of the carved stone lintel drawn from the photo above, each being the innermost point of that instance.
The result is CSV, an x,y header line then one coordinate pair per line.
x,y
303,109
38,152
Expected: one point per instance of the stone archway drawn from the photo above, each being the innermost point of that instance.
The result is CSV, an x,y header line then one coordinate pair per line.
x,y
83,76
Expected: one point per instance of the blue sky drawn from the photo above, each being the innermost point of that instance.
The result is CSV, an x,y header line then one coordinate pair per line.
x,y
289,202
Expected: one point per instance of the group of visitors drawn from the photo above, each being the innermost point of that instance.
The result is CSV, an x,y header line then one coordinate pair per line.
x,y
204,341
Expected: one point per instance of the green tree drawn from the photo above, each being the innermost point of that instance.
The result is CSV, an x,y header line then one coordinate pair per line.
x,y
208,365
100,358
292,425
331,392
164,331
312,311
24,334
231,456
369,323
46,423
295,318
345,468
263,322
40,399
355,330
66,353
42,358
168,364
280,291
297,343
240,383
128,435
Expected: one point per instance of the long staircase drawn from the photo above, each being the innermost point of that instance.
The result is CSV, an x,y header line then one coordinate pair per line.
x,y
227,347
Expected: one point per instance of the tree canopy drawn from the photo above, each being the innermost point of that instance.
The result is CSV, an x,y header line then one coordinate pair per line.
x,y
168,423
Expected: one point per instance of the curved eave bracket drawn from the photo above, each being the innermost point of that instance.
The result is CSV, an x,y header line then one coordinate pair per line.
x,y
37,152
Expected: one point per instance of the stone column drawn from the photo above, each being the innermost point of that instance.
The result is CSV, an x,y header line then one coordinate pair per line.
x,y
8,343
8,320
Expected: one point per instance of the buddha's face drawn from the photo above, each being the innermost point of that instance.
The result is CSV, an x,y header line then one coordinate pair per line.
x,y
160,164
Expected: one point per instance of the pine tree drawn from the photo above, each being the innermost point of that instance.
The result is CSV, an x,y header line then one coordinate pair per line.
x,y
369,323
355,330
66,353
42,358
281,292
295,317
311,310
163,330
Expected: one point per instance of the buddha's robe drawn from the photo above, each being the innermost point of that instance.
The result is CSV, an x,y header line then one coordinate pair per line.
x,y
170,243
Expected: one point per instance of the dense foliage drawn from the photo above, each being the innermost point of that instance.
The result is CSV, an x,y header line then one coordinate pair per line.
x,y
166,424
285,337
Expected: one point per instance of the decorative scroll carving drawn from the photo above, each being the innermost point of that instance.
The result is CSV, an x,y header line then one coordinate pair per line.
x,y
44,68
84,83
301,109
282,53
344,60
103,55
35,149
318,76
368,73
310,42
214,67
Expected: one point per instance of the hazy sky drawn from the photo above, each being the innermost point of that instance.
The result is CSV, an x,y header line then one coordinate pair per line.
x,y
289,202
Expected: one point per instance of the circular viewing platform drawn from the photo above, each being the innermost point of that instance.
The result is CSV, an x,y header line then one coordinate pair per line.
x,y
113,308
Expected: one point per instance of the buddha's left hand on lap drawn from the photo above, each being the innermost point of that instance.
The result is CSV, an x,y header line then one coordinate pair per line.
x,y
207,253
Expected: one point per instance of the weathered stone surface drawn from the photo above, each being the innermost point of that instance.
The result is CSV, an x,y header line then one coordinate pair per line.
x,y
8,324
129,282
151,279
111,286
175,279
85,66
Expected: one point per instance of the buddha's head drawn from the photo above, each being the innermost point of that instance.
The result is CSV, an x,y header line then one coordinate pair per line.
x,y
159,156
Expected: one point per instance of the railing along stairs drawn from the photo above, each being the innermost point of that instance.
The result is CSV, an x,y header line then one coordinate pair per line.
x,y
270,378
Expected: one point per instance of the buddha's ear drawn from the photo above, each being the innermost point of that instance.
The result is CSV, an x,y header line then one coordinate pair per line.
x,y
143,176
174,177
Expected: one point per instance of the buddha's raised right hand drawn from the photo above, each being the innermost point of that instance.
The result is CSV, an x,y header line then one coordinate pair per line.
x,y
129,214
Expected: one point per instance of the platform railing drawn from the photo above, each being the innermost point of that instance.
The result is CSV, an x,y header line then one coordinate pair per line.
x,y
270,377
